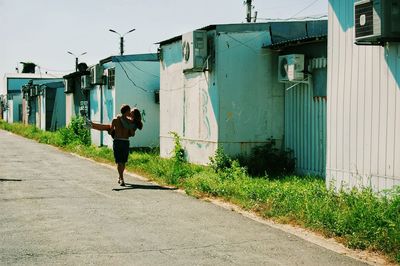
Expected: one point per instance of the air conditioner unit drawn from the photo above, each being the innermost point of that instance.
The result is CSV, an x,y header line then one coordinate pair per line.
x,y
35,91
376,21
111,77
96,73
291,68
86,82
69,85
194,50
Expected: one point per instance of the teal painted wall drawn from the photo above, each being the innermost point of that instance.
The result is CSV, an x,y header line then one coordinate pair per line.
x,y
305,112
251,98
305,129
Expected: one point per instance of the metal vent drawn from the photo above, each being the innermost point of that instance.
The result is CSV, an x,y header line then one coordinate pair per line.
x,y
364,19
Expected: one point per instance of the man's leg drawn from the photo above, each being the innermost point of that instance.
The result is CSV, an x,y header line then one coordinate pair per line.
x,y
121,168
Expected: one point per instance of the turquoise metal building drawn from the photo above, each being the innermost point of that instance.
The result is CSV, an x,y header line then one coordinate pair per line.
x,y
219,85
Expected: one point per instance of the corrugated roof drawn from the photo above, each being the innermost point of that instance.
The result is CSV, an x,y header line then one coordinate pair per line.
x,y
281,31
284,34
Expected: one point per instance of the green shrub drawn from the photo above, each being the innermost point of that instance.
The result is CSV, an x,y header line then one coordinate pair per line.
x,y
269,161
220,161
75,133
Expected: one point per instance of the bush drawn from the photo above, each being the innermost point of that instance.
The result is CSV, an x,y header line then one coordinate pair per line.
x,y
269,161
75,133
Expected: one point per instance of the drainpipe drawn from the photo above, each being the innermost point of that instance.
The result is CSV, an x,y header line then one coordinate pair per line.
x,y
101,115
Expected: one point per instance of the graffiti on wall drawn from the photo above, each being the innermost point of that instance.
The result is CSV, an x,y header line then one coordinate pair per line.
x,y
204,110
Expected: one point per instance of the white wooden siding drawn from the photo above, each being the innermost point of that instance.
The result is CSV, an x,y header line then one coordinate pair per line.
x,y
363,123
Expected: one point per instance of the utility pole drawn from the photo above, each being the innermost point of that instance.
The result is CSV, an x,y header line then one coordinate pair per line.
x,y
76,58
248,12
121,39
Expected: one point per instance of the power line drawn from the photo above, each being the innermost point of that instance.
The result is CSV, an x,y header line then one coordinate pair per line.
x,y
312,3
133,82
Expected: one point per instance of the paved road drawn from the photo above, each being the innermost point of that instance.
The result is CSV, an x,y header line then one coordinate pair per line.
x,y
64,211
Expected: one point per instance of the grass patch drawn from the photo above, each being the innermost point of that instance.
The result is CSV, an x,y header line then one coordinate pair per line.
x,y
359,218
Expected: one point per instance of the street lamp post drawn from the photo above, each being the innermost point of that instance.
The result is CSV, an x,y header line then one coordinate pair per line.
x,y
76,58
121,39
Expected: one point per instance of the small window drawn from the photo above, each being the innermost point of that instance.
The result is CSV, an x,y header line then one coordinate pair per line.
x,y
111,78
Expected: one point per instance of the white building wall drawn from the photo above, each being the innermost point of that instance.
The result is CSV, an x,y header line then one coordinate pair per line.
x,y
189,106
10,111
363,123
69,108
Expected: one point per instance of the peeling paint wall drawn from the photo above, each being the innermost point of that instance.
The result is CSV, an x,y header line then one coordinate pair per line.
x,y
238,104
188,106
363,124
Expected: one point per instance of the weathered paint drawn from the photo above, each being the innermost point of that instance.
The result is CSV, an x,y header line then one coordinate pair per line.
x,y
363,123
188,106
237,104
251,101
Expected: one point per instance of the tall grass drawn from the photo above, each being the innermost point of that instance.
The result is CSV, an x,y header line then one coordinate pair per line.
x,y
359,218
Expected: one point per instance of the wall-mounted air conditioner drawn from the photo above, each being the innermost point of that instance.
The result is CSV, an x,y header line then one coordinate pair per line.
x,y
96,73
376,21
111,78
194,50
35,91
86,82
69,85
291,68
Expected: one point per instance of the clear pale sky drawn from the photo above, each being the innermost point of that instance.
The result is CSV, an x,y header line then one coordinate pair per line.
x,y
42,31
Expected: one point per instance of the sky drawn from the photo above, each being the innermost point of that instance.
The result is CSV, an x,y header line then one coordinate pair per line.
x,y
42,31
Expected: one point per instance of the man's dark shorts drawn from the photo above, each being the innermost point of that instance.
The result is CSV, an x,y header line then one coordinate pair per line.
x,y
121,150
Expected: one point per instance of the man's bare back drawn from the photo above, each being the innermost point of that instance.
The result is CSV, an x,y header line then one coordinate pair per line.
x,y
120,131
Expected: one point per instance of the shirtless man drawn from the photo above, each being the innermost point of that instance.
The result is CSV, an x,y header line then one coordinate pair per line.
x,y
121,142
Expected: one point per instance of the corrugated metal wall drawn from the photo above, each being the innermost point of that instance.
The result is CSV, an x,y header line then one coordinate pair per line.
x,y
363,126
305,129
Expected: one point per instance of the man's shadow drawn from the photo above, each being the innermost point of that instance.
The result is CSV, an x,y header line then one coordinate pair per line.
x,y
136,186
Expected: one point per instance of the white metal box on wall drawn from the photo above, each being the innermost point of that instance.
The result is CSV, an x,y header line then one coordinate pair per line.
x,y
376,21
291,67
194,50
96,74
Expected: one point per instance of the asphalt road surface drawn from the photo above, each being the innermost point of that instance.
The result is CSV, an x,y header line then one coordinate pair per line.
x,y
58,209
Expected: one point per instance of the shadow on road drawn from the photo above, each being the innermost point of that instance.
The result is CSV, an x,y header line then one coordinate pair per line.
x,y
135,186
9,180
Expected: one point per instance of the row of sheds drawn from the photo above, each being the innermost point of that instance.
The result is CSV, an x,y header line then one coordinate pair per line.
x,y
237,85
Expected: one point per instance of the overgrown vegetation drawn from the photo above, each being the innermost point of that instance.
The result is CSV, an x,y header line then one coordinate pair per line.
x,y
269,161
359,218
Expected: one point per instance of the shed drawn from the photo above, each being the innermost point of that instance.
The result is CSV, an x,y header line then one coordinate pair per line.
x,y
226,94
13,84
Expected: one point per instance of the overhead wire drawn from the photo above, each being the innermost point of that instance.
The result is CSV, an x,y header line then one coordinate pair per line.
x,y
305,8
130,79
